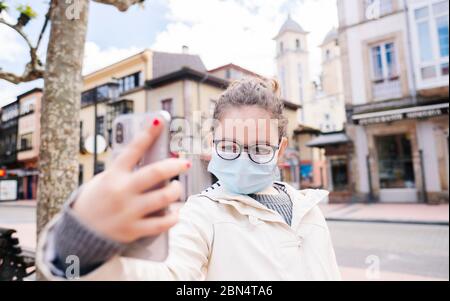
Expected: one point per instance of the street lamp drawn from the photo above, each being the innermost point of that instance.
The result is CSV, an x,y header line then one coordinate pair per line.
x,y
112,88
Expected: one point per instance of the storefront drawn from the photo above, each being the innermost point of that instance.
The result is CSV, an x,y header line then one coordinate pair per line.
x,y
402,154
337,148
290,168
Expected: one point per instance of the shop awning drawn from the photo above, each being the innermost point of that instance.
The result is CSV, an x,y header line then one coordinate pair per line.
x,y
328,139
416,112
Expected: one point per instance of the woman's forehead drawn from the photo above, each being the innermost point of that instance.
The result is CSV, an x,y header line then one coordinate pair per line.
x,y
249,130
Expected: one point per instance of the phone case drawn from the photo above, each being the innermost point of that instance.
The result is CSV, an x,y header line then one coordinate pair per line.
x,y
125,127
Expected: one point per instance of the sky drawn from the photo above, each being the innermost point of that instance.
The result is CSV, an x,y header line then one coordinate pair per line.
x,y
220,31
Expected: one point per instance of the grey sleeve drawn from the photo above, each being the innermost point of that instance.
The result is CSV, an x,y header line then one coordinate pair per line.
x,y
70,236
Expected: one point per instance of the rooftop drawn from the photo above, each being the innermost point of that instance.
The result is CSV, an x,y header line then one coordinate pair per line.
x,y
290,26
331,36
165,62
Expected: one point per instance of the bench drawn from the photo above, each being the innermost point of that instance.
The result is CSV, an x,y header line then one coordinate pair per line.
x,y
15,265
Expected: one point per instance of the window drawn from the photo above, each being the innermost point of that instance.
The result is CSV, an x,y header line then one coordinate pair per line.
x,y
227,73
100,166
377,8
25,141
297,44
384,64
339,174
431,30
129,82
166,105
100,93
81,146
385,78
395,164
281,47
27,106
10,112
101,125
327,54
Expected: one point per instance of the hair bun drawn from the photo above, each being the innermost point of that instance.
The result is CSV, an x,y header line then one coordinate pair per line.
x,y
275,86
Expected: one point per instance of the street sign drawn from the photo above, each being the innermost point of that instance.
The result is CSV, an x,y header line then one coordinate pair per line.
x,y
8,190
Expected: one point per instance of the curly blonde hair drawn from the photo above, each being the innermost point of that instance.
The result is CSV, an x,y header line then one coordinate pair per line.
x,y
253,91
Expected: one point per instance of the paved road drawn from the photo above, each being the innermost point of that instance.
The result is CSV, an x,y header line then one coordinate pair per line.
x,y
421,250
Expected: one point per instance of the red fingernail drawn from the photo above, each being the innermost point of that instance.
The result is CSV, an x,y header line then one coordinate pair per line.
x,y
188,164
156,122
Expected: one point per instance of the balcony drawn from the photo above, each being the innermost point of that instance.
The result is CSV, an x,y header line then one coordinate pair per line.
x,y
385,89
108,91
24,148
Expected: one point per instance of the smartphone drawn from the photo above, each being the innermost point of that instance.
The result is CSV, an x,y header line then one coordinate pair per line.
x,y
125,127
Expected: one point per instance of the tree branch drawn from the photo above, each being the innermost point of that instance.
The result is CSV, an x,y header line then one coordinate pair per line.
x,y
121,5
33,70
18,29
47,18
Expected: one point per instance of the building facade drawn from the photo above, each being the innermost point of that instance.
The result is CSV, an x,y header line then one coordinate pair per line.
x,y
394,57
28,138
328,105
19,142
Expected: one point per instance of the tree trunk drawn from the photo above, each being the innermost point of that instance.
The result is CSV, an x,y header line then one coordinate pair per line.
x,y
59,148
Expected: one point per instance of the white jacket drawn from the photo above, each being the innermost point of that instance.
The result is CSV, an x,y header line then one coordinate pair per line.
x,y
222,236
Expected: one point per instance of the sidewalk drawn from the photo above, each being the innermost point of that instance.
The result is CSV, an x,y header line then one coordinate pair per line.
x,y
388,213
19,203
11,217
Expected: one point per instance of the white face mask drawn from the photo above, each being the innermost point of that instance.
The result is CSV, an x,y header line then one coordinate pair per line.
x,y
242,175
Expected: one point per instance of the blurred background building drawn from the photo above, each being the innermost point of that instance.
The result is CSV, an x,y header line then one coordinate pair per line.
x,y
19,142
395,71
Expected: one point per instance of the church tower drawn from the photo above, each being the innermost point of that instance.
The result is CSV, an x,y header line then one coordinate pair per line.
x,y
292,61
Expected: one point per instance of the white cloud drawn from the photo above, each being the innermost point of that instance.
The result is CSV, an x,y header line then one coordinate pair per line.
x,y
96,58
13,46
241,31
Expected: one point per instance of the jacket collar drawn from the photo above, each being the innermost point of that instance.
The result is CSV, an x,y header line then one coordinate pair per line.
x,y
302,200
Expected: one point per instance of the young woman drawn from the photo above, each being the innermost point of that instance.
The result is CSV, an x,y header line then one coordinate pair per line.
x,y
247,226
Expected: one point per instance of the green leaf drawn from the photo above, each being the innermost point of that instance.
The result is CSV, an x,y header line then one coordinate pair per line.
x,y
3,6
27,11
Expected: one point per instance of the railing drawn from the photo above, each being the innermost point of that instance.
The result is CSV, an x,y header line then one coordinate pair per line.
x,y
24,149
386,89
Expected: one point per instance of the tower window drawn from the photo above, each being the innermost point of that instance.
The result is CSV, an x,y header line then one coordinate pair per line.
x,y
281,47
297,44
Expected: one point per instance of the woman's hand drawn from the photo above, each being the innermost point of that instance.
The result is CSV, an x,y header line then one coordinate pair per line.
x,y
117,202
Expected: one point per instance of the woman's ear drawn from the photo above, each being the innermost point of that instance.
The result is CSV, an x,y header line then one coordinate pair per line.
x,y
282,148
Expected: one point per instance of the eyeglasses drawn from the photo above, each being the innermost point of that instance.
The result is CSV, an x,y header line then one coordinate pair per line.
x,y
259,153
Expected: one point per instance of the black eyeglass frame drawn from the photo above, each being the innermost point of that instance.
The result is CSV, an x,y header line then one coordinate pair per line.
x,y
244,147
